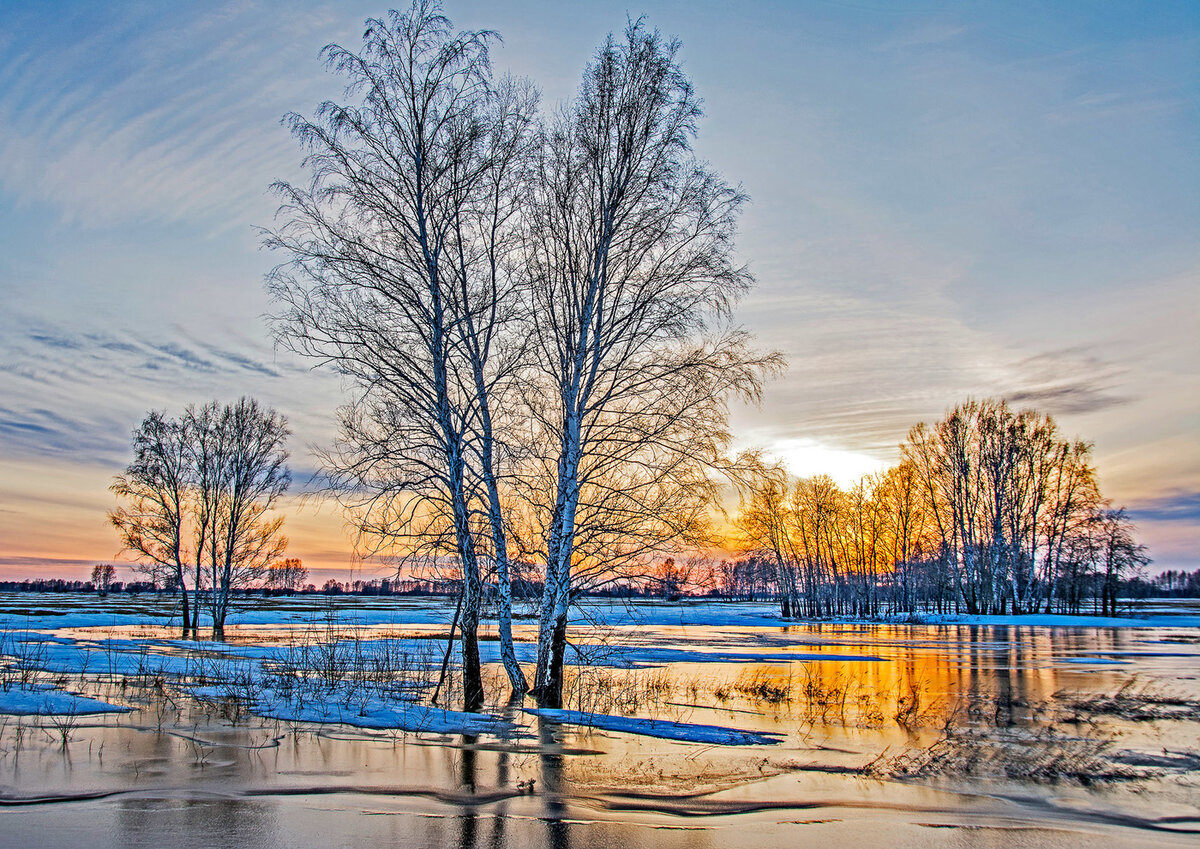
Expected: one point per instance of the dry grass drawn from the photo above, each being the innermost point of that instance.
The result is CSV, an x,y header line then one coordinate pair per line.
x,y
820,697
604,690
765,685
981,739
1133,701
1044,756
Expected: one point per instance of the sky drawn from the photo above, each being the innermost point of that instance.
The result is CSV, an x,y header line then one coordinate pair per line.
x,y
948,199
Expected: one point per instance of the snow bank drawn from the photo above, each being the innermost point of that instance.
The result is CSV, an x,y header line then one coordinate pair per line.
x,y
370,713
690,732
45,702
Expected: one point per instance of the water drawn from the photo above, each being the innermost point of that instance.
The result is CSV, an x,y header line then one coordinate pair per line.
x,y
181,771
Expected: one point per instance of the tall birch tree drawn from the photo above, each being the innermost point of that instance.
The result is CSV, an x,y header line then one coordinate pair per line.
x,y
630,257
398,277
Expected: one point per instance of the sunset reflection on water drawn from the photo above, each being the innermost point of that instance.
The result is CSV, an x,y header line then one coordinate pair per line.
x,y
840,695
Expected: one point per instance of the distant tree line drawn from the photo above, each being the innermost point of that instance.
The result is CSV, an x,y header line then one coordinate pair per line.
x,y
989,511
61,585
1173,583
739,579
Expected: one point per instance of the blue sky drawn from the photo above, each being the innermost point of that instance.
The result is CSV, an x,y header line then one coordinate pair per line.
x,y
948,199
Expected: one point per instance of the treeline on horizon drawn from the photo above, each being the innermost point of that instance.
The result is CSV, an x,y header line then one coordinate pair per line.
x,y
743,579
989,511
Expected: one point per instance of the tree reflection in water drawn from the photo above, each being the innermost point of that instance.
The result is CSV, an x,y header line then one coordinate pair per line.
x,y
557,830
467,821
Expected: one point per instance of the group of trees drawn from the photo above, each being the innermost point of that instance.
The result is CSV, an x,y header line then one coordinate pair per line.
x,y
534,310
196,502
989,510
102,577
1175,582
287,575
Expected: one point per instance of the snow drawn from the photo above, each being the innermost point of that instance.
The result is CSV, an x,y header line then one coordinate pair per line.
x,y
409,718
48,702
718,735
1053,620
370,712
31,611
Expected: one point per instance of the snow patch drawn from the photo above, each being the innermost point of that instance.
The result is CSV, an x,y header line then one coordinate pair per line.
x,y
690,732
42,702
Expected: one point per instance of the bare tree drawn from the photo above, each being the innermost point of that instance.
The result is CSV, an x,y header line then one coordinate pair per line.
x,y
909,534
766,522
950,474
156,487
212,476
1073,494
630,260
398,278
1118,554
246,475
817,508
102,577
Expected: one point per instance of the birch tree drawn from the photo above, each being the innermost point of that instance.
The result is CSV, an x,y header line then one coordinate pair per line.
x,y
247,474
155,487
198,497
766,523
631,269
1119,554
399,277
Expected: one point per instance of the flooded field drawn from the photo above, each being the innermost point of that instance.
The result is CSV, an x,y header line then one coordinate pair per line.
x,y
686,725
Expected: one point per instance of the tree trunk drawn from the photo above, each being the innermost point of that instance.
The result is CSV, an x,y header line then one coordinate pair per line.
x,y
187,622
551,695
552,636
508,652
556,590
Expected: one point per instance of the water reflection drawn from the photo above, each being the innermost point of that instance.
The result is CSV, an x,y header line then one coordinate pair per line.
x,y
466,780
229,823
558,832
929,675
838,692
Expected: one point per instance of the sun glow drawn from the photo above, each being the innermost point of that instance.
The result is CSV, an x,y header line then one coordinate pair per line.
x,y
806,457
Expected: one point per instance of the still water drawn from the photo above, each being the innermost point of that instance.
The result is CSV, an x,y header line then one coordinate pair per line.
x,y
850,705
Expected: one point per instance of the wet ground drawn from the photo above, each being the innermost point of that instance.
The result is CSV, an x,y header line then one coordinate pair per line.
x,y
890,735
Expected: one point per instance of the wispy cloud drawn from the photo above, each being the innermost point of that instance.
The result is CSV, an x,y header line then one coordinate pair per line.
x,y
36,431
47,566
1067,381
120,114
1175,507
77,395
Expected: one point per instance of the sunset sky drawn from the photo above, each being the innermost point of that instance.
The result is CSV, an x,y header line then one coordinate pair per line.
x,y
948,199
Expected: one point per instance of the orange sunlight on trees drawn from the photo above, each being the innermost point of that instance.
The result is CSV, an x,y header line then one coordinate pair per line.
x,y
988,511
